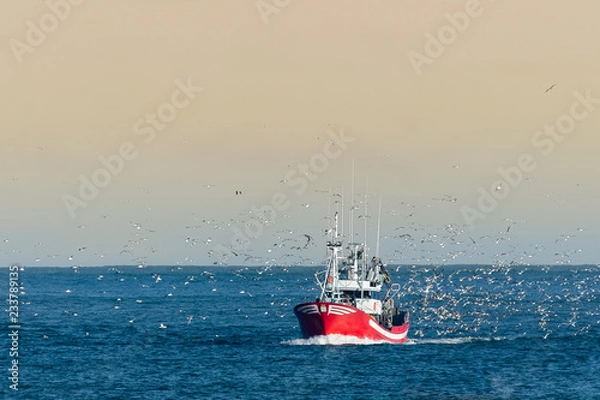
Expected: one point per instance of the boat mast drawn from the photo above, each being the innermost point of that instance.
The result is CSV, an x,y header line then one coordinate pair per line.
x,y
351,240
363,272
366,216
336,226
342,200
329,211
378,228
334,266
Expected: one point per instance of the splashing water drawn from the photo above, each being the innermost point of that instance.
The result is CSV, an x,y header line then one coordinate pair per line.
x,y
333,340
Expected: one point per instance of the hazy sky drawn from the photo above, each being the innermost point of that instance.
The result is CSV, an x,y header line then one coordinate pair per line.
x,y
128,127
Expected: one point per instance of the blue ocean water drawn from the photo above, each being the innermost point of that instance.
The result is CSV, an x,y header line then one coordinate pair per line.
x,y
477,332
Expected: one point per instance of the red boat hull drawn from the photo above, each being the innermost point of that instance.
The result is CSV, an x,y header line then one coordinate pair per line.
x,y
321,319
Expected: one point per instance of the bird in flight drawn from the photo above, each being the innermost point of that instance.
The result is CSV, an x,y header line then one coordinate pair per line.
x,y
308,240
550,88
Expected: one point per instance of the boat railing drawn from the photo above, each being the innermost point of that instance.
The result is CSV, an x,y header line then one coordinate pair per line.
x,y
392,291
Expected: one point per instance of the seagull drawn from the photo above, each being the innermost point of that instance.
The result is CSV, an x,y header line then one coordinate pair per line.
x,y
308,239
550,88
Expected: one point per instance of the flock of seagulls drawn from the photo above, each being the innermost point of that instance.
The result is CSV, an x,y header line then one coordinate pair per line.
x,y
445,301
485,301
405,238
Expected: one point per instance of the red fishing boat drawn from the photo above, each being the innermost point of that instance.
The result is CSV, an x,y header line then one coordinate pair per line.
x,y
357,297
